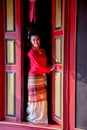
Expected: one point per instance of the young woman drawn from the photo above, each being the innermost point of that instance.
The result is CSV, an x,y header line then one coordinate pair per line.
x,y
37,91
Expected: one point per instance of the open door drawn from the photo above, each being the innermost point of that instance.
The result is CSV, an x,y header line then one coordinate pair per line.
x,y
58,55
12,60
63,52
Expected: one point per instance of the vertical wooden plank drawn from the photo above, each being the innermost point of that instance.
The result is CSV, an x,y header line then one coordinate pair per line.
x,y
19,47
72,64
69,64
66,65
2,62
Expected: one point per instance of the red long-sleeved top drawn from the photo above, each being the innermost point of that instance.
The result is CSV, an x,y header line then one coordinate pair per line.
x,y
38,62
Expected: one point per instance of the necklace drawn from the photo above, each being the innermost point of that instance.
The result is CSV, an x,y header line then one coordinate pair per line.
x,y
38,50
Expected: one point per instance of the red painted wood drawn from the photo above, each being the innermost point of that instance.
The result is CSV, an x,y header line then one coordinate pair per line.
x,y
9,127
18,41
58,32
69,64
17,67
55,33
26,126
10,119
2,63
10,35
52,83
13,67
69,59
66,65
72,65
59,67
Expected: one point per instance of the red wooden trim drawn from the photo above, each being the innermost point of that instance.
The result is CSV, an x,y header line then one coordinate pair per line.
x,y
52,84
59,67
9,68
22,59
72,65
66,65
2,63
69,64
10,119
27,126
10,35
18,42
58,33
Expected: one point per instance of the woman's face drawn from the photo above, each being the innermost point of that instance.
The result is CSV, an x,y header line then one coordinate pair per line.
x,y
35,40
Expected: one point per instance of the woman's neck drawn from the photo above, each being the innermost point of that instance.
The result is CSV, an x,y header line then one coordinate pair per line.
x,y
36,48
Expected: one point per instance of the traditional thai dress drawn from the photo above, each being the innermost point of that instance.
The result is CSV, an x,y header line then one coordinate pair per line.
x,y
37,90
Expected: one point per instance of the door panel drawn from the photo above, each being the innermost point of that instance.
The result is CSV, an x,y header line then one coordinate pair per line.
x,y
10,14
57,95
10,52
10,95
58,50
57,54
13,60
58,11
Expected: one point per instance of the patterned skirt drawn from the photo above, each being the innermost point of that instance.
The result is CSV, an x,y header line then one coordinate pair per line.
x,y
37,99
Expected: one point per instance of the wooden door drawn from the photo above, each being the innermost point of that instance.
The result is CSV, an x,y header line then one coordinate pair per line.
x,y
12,60
58,55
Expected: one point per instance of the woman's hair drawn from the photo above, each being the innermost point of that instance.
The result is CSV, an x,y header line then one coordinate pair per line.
x,y
32,32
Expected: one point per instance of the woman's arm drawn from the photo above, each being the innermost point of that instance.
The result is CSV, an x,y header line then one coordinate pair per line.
x,y
38,64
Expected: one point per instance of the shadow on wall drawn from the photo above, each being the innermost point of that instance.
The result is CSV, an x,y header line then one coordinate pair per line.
x,y
81,66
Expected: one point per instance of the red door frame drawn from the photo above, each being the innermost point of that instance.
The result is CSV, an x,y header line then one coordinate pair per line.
x,y
72,64
2,63
69,64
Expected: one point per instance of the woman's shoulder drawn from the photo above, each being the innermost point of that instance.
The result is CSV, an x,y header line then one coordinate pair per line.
x,y
30,52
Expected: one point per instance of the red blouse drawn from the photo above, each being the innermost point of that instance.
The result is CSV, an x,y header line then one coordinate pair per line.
x,y
38,61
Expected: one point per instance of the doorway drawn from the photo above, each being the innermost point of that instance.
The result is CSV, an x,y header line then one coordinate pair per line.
x,y
43,24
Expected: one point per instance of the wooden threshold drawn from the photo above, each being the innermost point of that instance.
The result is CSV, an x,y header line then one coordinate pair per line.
x,y
26,125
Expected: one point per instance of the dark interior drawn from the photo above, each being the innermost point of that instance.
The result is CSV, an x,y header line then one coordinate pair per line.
x,y
43,24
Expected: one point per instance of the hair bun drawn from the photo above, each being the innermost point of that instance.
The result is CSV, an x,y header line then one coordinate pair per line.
x,y
32,32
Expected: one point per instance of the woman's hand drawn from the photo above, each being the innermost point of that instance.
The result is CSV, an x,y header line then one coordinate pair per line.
x,y
52,67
